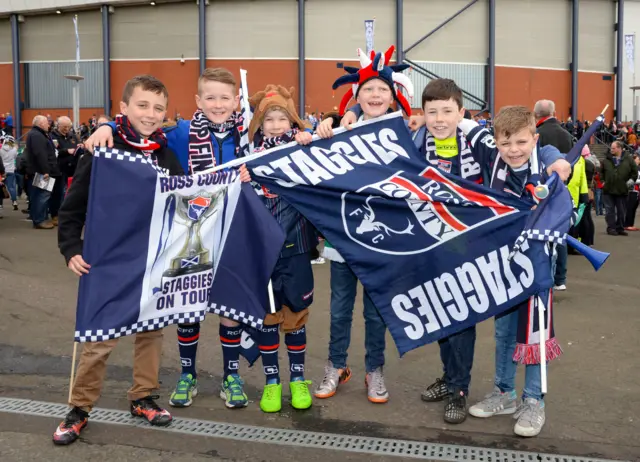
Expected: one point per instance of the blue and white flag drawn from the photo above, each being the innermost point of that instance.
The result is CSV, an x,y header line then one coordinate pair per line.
x,y
432,250
169,249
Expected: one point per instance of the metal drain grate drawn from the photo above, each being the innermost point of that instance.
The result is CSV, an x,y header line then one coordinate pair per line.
x,y
377,446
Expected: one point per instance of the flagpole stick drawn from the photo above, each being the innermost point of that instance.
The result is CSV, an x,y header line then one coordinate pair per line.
x,y
73,369
272,303
605,109
543,346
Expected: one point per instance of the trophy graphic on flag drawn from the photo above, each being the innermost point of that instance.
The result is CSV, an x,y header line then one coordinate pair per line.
x,y
193,211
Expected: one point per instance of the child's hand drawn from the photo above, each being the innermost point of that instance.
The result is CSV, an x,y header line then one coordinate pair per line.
x,y
303,138
102,137
78,265
416,121
324,130
245,176
561,167
348,119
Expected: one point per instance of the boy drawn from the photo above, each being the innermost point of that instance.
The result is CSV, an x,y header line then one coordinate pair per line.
x,y
275,122
211,138
375,91
143,106
507,165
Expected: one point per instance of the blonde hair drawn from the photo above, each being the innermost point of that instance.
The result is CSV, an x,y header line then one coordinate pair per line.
x,y
216,74
513,119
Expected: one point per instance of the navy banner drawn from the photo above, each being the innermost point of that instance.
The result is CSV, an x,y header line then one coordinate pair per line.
x,y
431,250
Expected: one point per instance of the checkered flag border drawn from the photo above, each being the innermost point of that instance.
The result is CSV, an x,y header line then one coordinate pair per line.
x,y
101,335
547,235
236,315
117,154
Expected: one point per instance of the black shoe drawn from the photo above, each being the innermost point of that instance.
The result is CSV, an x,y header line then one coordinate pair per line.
x,y
25,211
149,410
69,430
612,232
623,233
437,391
455,411
15,206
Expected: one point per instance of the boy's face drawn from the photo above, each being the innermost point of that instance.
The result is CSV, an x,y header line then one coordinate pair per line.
x,y
516,149
275,123
217,100
442,118
146,111
374,98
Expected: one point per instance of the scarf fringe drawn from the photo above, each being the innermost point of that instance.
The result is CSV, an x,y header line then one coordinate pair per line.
x,y
530,354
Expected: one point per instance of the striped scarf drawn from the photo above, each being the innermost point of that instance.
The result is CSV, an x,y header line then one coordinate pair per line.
x,y
129,135
201,153
468,168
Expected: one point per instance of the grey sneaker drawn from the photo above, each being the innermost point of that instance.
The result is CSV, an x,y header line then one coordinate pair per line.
x,y
531,418
332,378
376,389
495,403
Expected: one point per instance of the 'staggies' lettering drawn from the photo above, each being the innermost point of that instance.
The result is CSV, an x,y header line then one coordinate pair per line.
x,y
189,289
318,164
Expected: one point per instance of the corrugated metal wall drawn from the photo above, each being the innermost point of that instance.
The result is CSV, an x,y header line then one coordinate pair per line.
x,y
46,86
469,77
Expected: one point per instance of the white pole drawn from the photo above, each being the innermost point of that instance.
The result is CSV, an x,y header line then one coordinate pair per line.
x,y
543,344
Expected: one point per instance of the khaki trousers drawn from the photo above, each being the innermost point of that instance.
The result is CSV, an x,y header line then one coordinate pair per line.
x,y
93,365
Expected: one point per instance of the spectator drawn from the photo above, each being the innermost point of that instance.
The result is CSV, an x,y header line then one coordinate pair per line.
x,y
67,144
586,228
619,172
551,133
103,119
632,201
570,127
41,158
8,124
632,139
8,154
597,179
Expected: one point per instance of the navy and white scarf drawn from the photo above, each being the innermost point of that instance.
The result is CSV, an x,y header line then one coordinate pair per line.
x,y
201,153
468,167
265,143
147,146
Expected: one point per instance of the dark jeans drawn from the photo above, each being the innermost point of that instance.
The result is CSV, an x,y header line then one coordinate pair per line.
x,y
57,196
456,352
560,273
39,204
586,228
343,296
599,204
632,206
616,210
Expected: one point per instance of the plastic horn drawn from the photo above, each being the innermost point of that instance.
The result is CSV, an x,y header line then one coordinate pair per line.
x,y
595,257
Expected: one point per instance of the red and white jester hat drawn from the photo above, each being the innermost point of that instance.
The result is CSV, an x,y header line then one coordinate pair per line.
x,y
376,66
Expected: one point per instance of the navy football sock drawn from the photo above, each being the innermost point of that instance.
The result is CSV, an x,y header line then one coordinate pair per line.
x,y
230,341
188,335
296,347
268,343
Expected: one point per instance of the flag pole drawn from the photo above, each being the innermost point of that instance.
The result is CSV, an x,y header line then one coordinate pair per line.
x,y
73,369
543,345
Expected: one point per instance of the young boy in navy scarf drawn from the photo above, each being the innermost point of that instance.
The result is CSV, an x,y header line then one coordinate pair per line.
x,y
143,107
510,163
275,122
211,138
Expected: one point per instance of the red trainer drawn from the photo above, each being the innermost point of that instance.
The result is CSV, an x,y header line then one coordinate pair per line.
x,y
149,410
69,430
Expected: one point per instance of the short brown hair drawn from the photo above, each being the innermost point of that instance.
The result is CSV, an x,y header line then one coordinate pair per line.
x,y
147,83
216,74
442,90
512,119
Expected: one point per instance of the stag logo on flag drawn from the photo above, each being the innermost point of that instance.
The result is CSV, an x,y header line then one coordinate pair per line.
x,y
404,215
197,207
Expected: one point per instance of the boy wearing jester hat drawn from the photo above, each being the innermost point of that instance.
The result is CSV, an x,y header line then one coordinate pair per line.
x,y
513,163
275,122
374,89
211,138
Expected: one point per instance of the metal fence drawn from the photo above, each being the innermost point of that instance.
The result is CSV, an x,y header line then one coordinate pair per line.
x,y
46,86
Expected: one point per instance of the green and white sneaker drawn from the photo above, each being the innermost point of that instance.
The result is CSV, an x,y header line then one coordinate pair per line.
x,y
232,392
300,396
186,390
271,400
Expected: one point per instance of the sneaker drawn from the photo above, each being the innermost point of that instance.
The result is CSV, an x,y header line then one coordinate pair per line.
x,y
44,225
376,389
560,287
54,221
271,400
495,403
150,411
318,261
15,206
631,228
455,411
186,390
69,430
232,392
612,232
332,378
531,418
623,233
437,391
300,396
